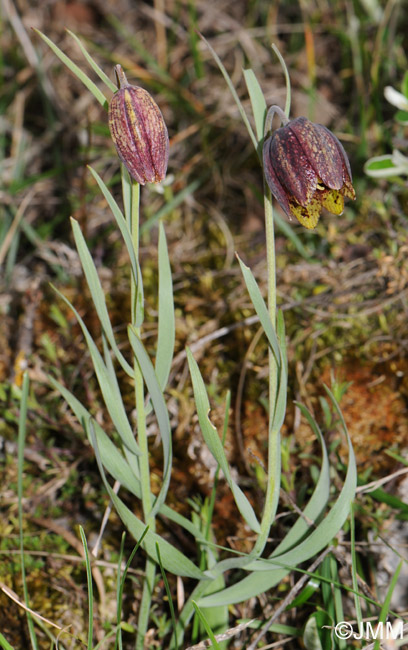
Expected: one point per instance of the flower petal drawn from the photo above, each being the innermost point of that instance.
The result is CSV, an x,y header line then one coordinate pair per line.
x,y
292,167
308,216
333,201
273,181
321,149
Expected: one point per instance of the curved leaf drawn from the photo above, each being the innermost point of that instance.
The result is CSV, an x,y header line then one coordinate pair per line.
x,y
109,387
95,67
261,310
214,443
98,296
263,576
166,325
93,88
172,559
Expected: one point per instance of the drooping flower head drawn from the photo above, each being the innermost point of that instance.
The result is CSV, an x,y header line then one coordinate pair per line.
x,y
306,169
138,131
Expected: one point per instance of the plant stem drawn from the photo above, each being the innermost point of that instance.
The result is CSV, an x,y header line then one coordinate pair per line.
x,y
143,459
134,228
274,453
271,270
272,491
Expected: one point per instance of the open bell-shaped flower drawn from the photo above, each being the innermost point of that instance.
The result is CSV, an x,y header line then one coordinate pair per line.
x,y
307,169
138,131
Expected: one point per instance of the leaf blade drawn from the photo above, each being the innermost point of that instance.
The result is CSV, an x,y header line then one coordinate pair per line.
x,y
214,444
88,83
166,324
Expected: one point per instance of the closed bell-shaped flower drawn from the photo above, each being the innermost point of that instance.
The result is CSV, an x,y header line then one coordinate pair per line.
x,y
138,131
307,169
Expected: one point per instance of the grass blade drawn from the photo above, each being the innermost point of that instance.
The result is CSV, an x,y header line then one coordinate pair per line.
x,y
90,589
171,205
169,595
387,602
5,644
205,624
20,462
233,92
290,233
121,585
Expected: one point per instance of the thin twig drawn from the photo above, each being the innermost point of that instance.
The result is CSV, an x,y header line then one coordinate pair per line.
x,y
13,596
233,631
381,481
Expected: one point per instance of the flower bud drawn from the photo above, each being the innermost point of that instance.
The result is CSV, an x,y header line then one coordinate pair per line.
x,y
307,169
138,131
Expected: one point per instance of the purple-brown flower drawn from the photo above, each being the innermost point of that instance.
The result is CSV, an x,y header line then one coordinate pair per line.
x,y
307,169
139,132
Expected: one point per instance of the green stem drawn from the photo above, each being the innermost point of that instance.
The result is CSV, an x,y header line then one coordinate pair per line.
x,y
274,453
271,270
143,459
272,491
134,228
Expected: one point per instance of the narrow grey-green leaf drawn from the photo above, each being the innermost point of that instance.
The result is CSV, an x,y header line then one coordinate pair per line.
x,y
121,222
115,463
214,443
112,459
166,324
311,637
88,83
333,521
98,296
95,67
261,309
259,108
280,405
173,560
263,577
110,391
318,501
